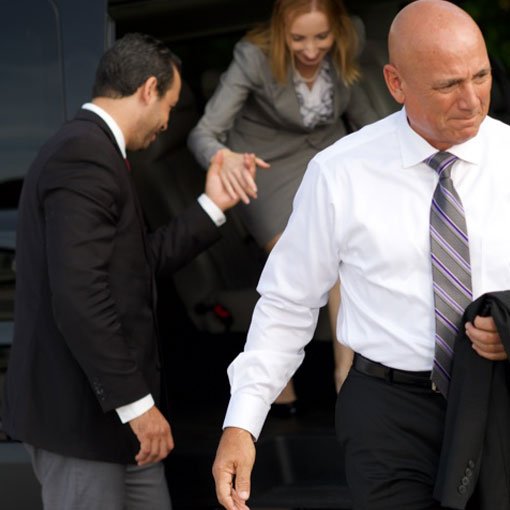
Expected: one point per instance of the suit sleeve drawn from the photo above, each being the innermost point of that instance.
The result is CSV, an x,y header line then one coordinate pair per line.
x,y
235,85
79,196
188,234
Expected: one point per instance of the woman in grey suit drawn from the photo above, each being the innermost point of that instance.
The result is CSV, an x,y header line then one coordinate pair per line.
x,y
289,92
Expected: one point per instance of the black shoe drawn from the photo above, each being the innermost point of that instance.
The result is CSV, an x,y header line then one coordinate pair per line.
x,y
287,410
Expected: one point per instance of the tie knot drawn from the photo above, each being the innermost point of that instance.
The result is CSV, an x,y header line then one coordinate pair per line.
x,y
442,163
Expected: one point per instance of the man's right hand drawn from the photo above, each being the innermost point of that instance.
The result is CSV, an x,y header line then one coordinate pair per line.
x,y
155,436
238,172
234,461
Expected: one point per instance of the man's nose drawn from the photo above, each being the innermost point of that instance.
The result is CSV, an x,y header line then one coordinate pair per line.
x,y
469,99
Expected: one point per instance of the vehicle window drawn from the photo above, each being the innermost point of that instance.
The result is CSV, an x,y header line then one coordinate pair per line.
x,y
31,86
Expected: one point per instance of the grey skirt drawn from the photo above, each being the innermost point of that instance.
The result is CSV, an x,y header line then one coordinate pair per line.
x,y
267,216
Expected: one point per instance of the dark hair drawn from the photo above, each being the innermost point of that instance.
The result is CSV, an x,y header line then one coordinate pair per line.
x,y
130,62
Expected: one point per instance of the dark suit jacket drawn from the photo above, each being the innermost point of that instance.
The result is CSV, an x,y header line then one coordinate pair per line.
x,y
476,444
85,336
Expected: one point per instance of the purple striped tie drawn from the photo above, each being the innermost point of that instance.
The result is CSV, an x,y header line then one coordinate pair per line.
x,y
451,270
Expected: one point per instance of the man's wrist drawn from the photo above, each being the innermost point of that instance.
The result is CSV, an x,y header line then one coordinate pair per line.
x,y
135,409
214,212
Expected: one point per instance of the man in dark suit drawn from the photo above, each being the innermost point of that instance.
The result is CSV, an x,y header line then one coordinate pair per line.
x,y
83,385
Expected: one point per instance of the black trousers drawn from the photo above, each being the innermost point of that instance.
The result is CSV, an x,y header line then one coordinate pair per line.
x,y
391,436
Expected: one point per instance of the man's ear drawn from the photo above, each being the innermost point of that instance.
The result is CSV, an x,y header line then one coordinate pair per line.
x,y
394,83
149,90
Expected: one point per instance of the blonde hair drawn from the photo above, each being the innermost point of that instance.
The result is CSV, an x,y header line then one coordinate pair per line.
x,y
270,37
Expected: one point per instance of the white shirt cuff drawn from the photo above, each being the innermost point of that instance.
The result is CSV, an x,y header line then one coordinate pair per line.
x,y
135,409
212,210
246,412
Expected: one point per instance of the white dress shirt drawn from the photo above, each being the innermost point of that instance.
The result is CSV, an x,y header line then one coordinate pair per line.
x,y
132,410
361,214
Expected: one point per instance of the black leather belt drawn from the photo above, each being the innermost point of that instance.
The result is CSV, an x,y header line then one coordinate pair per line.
x,y
393,375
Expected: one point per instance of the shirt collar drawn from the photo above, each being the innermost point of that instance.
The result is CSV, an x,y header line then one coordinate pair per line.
x,y
110,122
415,149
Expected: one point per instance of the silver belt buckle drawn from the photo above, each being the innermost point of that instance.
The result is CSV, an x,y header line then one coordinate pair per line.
x,y
434,387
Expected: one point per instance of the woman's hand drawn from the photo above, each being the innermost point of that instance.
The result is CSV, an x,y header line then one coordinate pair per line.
x,y
238,174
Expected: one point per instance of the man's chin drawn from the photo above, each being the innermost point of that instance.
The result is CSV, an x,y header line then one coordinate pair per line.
x,y
142,145
150,140
467,128
462,133
466,134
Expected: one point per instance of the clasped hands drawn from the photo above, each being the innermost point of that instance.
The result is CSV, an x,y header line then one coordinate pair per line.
x,y
231,177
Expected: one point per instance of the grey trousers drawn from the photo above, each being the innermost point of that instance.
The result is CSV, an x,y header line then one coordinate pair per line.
x,y
69,483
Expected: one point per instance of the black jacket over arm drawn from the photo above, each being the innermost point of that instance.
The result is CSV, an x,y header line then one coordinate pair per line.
x,y
476,444
85,337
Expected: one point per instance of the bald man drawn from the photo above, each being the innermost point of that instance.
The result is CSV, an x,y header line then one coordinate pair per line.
x,y
363,214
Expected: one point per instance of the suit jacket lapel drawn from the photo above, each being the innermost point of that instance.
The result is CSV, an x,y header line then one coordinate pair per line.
x,y
89,116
